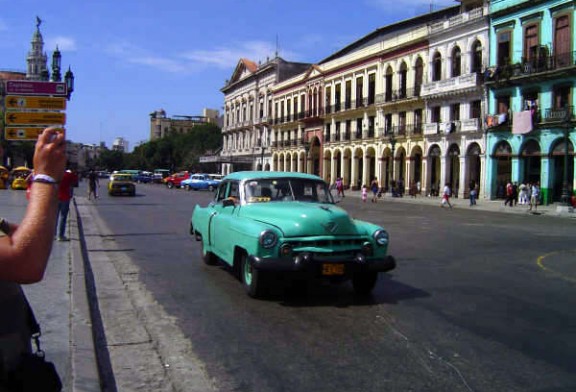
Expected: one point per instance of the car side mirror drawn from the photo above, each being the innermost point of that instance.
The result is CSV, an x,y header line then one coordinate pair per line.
x,y
228,203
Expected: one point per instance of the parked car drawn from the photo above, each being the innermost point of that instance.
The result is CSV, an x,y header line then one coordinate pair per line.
x,y
287,222
200,181
121,184
175,180
143,177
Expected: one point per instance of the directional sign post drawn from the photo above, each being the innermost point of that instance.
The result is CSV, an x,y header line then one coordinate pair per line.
x,y
25,102
25,133
35,118
30,106
32,87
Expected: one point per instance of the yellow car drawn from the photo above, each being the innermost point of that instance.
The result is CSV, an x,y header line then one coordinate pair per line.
x,y
121,184
19,176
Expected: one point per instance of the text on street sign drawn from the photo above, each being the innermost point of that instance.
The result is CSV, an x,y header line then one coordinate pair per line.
x,y
35,118
31,87
31,102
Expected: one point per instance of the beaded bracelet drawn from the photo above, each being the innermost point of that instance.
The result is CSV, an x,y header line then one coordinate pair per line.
x,y
44,178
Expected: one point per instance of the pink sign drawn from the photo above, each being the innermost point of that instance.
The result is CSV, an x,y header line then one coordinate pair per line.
x,y
31,87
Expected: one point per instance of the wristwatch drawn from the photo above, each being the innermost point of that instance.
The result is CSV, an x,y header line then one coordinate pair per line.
x,y
4,228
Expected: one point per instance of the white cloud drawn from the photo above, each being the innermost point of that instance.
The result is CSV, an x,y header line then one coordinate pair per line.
x,y
227,57
65,44
194,60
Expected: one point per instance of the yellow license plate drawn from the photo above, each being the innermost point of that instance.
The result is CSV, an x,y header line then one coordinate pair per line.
x,y
332,269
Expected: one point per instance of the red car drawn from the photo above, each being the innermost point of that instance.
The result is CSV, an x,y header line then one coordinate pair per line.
x,y
174,180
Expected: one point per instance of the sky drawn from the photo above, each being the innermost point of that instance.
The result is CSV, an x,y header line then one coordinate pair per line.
x,y
132,57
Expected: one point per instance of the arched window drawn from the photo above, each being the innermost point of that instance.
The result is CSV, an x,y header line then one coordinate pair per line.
x,y
437,67
456,62
476,57
418,76
403,79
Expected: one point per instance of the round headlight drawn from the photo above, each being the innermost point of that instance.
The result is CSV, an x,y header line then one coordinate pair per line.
x,y
381,237
268,239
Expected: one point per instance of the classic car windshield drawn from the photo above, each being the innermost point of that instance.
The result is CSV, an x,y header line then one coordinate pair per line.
x,y
286,189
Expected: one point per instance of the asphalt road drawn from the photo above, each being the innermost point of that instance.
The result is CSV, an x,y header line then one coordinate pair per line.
x,y
479,301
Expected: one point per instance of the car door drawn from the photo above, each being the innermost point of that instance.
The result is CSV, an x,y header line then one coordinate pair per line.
x,y
223,222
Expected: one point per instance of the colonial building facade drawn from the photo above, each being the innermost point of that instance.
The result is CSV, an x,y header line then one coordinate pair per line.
x,y
376,108
531,101
248,113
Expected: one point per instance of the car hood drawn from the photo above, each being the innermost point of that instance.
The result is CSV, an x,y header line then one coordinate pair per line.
x,y
297,219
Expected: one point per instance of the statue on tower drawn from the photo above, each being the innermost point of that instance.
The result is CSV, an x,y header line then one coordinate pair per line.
x,y
38,22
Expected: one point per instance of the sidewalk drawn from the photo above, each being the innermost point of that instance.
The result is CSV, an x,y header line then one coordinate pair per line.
x,y
481,205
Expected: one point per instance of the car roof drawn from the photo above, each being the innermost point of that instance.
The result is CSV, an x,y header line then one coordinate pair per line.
x,y
242,175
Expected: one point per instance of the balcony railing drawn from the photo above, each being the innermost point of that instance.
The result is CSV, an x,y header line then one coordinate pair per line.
x,y
539,64
457,20
452,84
564,114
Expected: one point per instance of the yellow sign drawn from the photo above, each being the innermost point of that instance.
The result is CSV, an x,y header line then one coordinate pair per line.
x,y
35,118
25,133
24,102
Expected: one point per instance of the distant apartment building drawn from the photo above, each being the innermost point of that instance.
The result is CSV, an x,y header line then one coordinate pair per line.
x,y
162,125
120,144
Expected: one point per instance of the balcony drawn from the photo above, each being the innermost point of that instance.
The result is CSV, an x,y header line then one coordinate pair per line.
x,y
540,65
559,115
431,129
470,125
451,85
457,20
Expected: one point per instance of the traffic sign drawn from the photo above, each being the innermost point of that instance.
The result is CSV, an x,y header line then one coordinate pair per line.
x,y
35,118
25,133
32,87
31,102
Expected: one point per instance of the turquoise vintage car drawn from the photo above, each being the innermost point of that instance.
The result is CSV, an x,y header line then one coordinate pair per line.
x,y
268,222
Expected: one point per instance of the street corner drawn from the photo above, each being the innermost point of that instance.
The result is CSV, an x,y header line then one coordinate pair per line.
x,y
560,264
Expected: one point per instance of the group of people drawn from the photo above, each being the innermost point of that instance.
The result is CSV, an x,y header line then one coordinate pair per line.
x,y
523,194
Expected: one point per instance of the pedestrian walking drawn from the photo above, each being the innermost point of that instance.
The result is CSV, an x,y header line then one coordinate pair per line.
x,y
339,187
509,195
93,184
374,188
65,192
534,196
24,252
473,193
446,193
523,194
364,193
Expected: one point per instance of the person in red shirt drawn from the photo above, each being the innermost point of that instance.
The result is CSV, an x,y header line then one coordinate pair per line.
x,y
69,179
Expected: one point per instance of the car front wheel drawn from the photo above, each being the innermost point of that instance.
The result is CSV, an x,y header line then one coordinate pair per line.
x,y
364,282
170,185
252,279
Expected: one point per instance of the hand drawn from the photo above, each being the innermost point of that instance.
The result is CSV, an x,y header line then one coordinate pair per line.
x,y
50,154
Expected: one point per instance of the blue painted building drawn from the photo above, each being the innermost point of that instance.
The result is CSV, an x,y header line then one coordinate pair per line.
x,y
531,87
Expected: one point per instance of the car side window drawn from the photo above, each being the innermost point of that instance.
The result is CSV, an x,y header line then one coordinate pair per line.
x,y
221,192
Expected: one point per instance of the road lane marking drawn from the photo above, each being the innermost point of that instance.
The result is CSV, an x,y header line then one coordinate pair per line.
x,y
540,263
